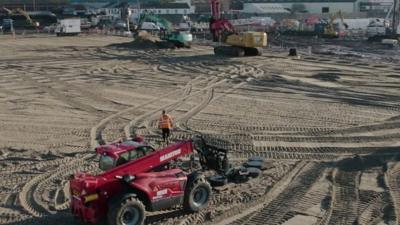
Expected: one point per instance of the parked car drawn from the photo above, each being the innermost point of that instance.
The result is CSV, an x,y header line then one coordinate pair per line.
x,y
120,25
50,29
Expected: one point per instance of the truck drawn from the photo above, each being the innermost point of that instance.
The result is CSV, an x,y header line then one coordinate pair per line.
x,y
68,27
385,30
138,178
7,26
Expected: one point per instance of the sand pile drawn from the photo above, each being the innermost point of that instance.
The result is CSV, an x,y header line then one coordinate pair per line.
x,y
145,40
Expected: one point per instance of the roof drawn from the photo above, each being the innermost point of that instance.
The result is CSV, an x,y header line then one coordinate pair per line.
x,y
6,2
165,6
149,5
79,7
293,1
116,5
264,8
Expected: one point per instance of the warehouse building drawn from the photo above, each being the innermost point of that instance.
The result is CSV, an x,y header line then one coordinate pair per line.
x,y
29,5
299,6
180,8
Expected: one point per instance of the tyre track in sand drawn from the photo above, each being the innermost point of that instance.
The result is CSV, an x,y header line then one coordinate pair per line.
x,y
182,123
275,211
30,198
47,88
95,132
242,213
372,214
392,179
137,121
153,119
345,198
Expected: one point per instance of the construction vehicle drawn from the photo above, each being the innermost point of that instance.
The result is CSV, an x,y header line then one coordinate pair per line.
x,y
166,31
7,26
68,27
385,30
334,29
23,13
379,28
138,178
231,42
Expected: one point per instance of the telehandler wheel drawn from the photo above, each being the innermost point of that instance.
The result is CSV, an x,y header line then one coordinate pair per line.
x,y
128,211
197,195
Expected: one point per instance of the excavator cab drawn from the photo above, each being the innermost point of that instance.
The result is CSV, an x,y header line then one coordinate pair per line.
x,y
180,38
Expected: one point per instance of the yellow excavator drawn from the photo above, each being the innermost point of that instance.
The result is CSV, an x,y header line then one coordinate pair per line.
x,y
22,12
232,43
334,30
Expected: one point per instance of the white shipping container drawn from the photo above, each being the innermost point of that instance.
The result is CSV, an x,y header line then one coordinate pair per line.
x,y
68,27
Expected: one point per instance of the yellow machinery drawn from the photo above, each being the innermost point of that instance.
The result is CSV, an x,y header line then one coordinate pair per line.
x,y
23,13
28,18
243,44
331,30
233,43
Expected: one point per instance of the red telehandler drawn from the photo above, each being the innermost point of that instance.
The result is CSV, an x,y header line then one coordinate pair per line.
x,y
137,178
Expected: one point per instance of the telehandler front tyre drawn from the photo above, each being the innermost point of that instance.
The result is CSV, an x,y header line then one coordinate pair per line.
x,y
197,195
128,211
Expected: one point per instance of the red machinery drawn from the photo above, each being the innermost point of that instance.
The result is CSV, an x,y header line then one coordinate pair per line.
x,y
244,44
136,179
218,24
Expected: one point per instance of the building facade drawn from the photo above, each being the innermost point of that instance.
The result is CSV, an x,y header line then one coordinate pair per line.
x,y
29,5
301,6
378,6
165,9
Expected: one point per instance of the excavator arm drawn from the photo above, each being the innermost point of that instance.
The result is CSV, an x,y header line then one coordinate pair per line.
x,y
22,12
27,17
8,11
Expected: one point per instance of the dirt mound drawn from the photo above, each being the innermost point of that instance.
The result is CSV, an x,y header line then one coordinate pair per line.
x,y
144,40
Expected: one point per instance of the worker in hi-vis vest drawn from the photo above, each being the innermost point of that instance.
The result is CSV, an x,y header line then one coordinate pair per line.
x,y
165,124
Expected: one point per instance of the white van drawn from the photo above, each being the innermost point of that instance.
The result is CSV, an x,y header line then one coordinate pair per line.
x,y
150,26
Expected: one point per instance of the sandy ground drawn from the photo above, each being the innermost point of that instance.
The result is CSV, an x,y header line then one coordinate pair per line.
x,y
307,116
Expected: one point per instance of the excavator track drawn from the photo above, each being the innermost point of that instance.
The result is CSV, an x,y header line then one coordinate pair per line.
x,y
252,51
236,51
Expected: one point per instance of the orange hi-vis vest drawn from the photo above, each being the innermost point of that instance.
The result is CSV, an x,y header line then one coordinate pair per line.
x,y
165,121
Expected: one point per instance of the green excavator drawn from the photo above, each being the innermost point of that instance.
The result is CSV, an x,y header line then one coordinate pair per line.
x,y
167,33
